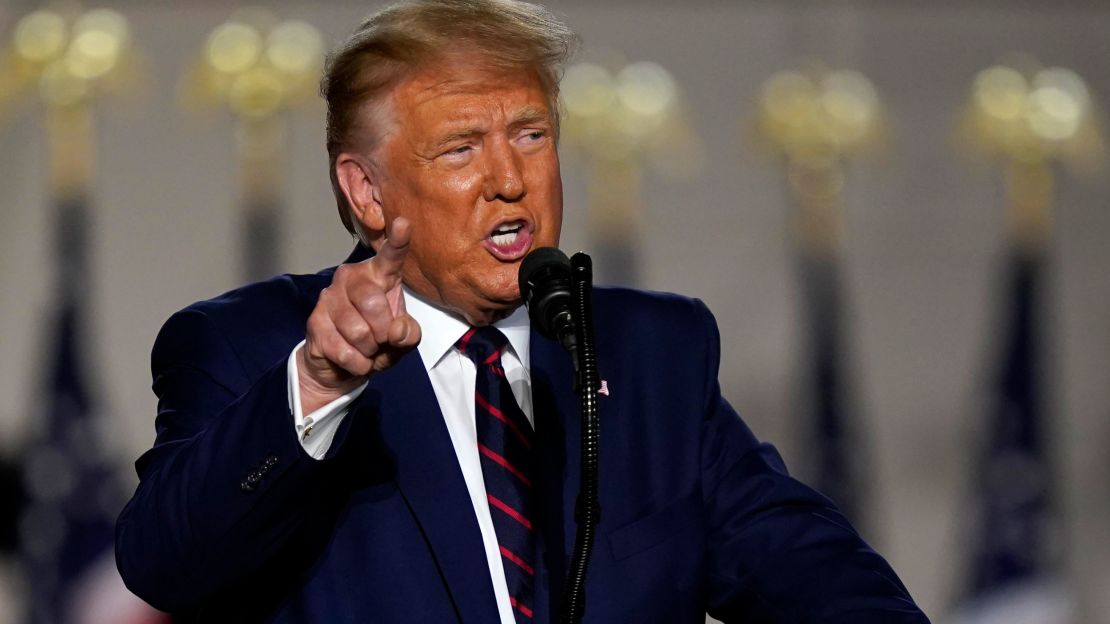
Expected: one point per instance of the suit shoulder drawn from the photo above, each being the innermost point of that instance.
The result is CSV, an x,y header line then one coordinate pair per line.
x,y
632,327
648,307
280,294
258,319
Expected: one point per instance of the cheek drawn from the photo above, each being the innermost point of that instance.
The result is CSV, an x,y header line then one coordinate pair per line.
x,y
557,217
442,250
553,217
432,248
461,183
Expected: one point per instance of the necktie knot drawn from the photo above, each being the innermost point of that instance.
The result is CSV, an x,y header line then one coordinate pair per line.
x,y
483,345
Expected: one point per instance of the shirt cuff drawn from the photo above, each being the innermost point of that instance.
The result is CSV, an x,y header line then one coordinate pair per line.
x,y
317,430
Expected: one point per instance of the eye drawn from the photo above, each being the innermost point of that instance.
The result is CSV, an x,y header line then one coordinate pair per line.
x,y
532,137
459,154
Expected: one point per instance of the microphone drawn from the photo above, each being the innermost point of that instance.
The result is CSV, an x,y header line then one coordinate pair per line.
x,y
552,286
545,278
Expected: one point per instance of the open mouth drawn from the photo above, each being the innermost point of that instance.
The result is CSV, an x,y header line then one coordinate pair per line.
x,y
506,234
510,240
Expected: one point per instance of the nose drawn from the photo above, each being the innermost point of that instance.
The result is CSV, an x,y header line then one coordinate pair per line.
x,y
504,172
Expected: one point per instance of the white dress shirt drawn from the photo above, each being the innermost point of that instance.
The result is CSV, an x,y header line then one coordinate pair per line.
x,y
452,375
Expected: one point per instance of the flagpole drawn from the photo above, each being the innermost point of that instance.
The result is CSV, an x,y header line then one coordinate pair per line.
x,y
1030,119
813,121
261,164
70,132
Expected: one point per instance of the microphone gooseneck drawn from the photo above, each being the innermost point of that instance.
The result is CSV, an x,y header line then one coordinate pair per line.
x,y
557,292
587,508
545,286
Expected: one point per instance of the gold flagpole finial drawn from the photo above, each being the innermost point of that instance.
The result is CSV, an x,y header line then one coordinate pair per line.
x,y
814,120
820,114
1031,118
622,121
257,67
69,57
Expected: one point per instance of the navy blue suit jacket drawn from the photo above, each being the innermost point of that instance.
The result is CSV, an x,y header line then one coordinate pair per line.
x,y
232,521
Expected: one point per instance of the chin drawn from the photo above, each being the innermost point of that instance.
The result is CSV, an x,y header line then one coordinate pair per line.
x,y
488,314
505,300
502,285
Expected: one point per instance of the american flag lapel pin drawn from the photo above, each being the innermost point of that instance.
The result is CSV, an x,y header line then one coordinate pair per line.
x,y
604,389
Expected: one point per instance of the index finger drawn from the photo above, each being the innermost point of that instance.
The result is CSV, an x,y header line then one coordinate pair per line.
x,y
391,257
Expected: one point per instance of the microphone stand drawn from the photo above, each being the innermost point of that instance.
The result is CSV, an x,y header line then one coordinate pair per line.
x,y
587,511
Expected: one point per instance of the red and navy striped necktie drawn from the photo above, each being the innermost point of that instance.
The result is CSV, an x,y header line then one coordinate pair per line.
x,y
505,440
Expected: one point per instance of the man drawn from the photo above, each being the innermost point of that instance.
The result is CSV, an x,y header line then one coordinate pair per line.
x,y
333,448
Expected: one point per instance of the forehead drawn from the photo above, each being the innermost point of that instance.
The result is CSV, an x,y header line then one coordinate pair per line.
x,y
460,91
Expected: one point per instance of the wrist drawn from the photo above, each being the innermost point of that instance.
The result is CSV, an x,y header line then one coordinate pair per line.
x,y
315,394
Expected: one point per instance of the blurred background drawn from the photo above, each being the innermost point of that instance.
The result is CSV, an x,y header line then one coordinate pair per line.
x,y
898,212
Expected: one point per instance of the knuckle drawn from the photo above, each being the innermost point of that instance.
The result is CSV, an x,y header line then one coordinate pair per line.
x,y
329,298
344,355
363,288
329,349
317,324
374,304
357,331
334,346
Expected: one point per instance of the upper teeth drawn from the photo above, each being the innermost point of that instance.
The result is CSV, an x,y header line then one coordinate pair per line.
x,y
505,234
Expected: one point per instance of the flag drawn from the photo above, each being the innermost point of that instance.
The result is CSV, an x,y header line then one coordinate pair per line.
x,y
261,238
66,532
836,453
1014,572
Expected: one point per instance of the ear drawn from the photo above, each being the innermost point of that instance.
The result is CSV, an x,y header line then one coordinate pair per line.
x,y
357,180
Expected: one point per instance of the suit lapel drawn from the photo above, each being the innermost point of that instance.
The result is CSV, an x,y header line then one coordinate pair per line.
x,y
429,479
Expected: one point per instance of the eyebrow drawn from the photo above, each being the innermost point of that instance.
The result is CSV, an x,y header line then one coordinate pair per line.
x,y
529,115
457,135
523,117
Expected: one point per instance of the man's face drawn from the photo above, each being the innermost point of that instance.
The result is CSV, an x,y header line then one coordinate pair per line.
x,y
468,156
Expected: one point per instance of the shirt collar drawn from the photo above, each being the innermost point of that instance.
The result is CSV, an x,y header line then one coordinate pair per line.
x,y
440,330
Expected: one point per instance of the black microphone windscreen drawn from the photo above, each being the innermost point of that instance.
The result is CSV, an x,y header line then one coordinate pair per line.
x,y
545,277
538,263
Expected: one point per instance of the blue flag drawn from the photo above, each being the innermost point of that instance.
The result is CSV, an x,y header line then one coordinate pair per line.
x,y
66,532
837,453
1015,566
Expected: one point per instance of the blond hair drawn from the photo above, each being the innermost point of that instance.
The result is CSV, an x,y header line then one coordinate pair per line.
x,y
396,41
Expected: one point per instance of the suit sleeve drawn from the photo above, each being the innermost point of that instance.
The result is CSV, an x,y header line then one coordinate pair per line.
x,y
778,551
226,483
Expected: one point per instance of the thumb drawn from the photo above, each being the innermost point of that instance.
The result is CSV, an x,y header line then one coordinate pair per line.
x,y
404,332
